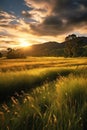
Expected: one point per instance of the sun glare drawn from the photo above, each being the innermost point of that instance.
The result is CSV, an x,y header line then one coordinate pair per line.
x,y
24,43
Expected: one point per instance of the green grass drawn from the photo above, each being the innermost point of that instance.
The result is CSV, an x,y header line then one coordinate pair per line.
x,y
45,93
11,82
58,105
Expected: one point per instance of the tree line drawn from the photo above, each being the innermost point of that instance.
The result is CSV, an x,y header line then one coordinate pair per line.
x,y
13,54
74,46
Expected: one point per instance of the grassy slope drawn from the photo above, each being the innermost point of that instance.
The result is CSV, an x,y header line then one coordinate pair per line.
x,y
11,82
60,104
57,105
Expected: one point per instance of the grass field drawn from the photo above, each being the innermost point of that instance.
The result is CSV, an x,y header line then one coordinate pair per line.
x,y
43,93
40,62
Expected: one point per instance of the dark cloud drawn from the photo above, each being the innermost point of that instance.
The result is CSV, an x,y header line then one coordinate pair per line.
x,y
60,16
52,20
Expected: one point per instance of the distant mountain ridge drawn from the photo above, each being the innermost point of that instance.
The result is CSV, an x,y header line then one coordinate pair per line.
x,y
53,48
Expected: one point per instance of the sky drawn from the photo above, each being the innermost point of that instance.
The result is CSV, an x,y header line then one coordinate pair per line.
x,y
38,21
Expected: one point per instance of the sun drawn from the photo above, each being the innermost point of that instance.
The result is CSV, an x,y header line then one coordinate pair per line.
x,y
24,43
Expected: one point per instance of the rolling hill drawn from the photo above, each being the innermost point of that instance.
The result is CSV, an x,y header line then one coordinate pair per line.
x,y
46,49
54,48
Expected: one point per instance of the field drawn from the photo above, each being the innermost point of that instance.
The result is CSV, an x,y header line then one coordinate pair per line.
x,y
43,93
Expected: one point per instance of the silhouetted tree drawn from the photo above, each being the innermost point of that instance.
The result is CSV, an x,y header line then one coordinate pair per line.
x,y
13,54
70,37
9,50
68,49
0,54
73,47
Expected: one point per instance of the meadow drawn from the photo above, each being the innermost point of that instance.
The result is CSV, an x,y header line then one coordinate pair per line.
x,y
43,93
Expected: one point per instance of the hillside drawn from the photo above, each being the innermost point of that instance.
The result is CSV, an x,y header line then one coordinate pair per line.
x,y
46,49
55,48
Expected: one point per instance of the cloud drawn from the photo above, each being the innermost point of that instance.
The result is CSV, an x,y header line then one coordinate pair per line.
x,y
13,28
26,14
6,18
45,20
58,17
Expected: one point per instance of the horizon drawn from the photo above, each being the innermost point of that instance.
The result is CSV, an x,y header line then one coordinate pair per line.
x,y
26,46
28,22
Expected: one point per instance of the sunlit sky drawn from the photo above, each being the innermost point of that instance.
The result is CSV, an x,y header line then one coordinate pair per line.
x,y
37,21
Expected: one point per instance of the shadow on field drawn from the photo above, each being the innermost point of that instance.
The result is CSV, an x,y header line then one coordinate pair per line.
x,y
12,83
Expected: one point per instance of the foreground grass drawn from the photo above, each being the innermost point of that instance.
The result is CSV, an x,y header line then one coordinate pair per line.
x,y
11,82
58,105
60,101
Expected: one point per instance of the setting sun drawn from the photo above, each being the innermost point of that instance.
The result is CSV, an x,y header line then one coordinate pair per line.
x,y
24,43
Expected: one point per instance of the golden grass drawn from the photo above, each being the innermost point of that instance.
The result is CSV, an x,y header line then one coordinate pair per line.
x,y
41,62
56,105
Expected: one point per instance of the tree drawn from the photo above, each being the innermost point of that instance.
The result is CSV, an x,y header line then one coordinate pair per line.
x,y
9,50
72,46
10,53
70,37
0,54
68,49
13,54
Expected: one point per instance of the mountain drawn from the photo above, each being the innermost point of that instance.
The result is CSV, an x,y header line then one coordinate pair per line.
x,y
46,49
56,49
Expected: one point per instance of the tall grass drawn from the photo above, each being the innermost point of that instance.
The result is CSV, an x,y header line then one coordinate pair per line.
x,y
72,95
11,82
51,97
58,105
